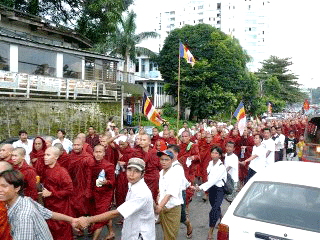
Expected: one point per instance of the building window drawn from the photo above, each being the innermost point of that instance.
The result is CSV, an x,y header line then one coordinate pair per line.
x,y
200,7
249,7
89,68
4,56
137,65
172,12
72,66
150,88
249,28
37,61
200,20
218,22
218,6
262,32
218,14
172,19
209,19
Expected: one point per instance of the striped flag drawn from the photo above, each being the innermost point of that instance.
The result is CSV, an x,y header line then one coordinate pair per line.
x,y
186,54
240,114
150,112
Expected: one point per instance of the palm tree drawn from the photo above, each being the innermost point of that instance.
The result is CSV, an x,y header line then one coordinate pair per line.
x,y
124,40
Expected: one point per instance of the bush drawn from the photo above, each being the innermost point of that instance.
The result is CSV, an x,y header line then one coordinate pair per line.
x,y
168,110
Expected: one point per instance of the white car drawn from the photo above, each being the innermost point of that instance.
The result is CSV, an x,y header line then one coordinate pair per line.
x,y
282,202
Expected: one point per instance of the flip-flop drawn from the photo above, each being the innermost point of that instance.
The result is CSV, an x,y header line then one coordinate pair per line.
x,y
111,237
189,234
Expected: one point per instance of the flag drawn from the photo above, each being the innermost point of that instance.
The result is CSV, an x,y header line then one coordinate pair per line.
x,y
186,54
150,112
269,108
240,114
306,105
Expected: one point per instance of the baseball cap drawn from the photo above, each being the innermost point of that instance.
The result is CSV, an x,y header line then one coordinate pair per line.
x,y
166,152
138,163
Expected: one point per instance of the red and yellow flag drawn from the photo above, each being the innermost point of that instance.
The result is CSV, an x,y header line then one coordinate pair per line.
x,y
150,112
306,105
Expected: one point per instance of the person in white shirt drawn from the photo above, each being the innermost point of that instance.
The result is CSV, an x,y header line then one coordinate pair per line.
x,y
216,175
258,158
25,143
282,138
269,145
185,128
231,162
66,143
137,210
170,196
184,185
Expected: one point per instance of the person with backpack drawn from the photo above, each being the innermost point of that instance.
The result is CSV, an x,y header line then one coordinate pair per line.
x,y
217,176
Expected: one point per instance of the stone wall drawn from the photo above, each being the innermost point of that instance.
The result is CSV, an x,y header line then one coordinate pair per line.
x,y
45,117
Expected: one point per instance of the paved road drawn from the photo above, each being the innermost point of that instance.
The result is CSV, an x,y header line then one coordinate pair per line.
x,y
199,214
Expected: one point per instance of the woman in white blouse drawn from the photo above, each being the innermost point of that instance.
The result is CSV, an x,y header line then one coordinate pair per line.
x,y
216,174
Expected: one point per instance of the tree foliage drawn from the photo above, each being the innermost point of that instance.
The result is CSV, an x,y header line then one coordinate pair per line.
x,y
218,79
278,81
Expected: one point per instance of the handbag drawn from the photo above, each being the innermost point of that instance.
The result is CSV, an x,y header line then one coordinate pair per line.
x,y
228,187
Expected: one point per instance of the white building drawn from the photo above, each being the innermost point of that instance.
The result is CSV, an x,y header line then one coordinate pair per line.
x,y
148,75
246,20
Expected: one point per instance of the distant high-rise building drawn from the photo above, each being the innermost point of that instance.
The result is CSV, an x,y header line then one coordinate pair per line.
x,y
246,20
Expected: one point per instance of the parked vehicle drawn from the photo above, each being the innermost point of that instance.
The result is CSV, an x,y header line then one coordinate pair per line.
x,y
282,202
311,150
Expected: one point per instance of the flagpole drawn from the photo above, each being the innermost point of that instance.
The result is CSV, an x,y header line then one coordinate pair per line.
x,y
178,107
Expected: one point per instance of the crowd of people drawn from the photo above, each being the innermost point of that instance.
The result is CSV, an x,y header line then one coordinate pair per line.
x,y
58,189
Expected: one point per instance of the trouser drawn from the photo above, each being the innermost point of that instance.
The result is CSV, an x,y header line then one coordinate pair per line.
x,y
251,173
215,198
129,119
290,156
183,208
170,222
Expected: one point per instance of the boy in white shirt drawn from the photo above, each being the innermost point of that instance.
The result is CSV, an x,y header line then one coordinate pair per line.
x,y
231,162
269,145
170,196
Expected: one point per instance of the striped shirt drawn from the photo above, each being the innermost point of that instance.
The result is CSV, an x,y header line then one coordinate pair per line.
x,y
27,219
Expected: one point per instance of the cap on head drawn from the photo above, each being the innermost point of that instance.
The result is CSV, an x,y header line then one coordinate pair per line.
x,y
137,163
166,152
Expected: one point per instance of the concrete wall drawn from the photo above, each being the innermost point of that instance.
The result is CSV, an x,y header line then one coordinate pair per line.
x,y
45,117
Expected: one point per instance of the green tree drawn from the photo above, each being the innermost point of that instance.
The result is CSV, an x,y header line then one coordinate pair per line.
x,y
123,42
218,78
276,80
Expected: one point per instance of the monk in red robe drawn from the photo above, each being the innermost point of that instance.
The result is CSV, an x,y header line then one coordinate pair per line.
x,y
4,222
155,136
216,138
102,190
6,153
111,154
205,146
57,192
64,157
188,150
80,170
153,167
234,137
172,137
37,155
92,138
246,144
85,146
29,173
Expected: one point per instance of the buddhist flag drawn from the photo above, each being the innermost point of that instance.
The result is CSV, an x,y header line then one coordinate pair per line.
x,y
306,105
186,54
240,114
150,112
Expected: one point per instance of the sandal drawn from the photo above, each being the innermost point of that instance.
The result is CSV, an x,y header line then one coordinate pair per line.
x,y
189,234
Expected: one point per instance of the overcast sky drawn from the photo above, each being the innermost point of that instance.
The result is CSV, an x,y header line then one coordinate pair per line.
x,y
293,32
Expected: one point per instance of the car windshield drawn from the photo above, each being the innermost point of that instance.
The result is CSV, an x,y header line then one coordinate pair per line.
x,y
283,204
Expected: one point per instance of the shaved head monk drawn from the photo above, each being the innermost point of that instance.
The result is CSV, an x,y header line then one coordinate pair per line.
x,y
80,170
85,146
29,173
6,153
57,192
64,158
4,224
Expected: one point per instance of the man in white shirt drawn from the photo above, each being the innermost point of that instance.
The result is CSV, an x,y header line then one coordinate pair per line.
x,y
258,158
184,185
137,210
185,128
269,145
170,196
231,162
282,138
25,143
66,143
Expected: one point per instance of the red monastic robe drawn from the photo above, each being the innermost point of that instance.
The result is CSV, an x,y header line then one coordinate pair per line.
x,y
171,140
121,179
205,157
87,148
152,170
80,170
92,140
39,155
249,143
58,181
30,180
112,155
4,223
64,160
102,196
154,139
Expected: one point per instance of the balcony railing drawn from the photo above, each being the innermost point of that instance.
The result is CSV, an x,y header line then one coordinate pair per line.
x,y
19,85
